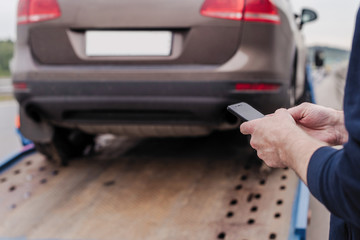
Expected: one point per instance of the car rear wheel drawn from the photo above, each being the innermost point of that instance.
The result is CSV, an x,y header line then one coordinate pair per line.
x,y
66,145
292,96
292,89
307,95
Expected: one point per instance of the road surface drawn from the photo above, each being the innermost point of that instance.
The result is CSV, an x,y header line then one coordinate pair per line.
x,y
9,141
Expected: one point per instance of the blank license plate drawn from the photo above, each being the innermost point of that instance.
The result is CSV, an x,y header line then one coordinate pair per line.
x,y
128,43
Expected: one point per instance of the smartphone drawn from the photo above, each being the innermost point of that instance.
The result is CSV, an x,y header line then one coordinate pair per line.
x,y
244,111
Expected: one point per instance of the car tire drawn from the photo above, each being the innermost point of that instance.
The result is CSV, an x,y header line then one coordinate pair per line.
x,y
66,145
292,91
307,95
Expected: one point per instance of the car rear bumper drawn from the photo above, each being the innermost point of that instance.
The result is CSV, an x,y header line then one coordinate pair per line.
x,y
96,96
161,103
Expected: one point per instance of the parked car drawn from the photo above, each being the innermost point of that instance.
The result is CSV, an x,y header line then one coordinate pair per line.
x,y
150,68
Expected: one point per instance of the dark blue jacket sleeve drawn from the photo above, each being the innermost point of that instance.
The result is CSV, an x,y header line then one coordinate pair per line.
x,y
334,175
334,179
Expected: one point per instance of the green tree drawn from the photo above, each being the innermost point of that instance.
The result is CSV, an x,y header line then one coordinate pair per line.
x,y
6,53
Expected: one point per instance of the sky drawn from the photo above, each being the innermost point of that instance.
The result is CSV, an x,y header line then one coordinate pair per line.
x,y
336,22
334,27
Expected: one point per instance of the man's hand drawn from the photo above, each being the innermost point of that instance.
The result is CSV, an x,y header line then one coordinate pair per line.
x,y
268,136
322,123
280,142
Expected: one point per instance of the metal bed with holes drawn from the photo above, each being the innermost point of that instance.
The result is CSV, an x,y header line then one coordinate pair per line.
x,y
144,195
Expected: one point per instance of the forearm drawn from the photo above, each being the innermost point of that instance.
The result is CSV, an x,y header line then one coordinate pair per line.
x,y
297,150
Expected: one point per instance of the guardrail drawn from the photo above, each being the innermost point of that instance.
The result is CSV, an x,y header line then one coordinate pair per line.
x,y
5,86
6,89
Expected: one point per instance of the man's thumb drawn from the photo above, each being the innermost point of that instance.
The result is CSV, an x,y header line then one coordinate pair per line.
x,y
247,128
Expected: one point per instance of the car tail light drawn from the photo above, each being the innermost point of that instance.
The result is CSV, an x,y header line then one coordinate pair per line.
x,y
247,10
20,86
256,87
229,9
261,11
30,11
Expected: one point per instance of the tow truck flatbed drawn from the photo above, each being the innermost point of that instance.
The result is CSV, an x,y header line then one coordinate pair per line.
x,y
201,188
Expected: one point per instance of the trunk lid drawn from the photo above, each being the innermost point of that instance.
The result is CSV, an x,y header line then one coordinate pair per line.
x,y
195,39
